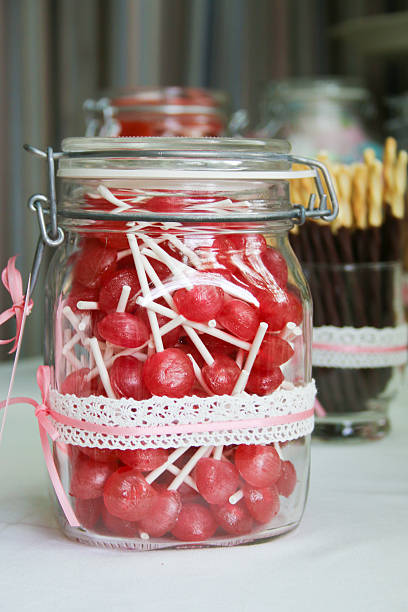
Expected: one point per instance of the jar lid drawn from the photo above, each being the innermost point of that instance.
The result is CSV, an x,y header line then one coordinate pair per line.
x,y
177,158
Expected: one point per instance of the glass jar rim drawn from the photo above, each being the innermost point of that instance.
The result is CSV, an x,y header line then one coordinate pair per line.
x,y
215,158
181,144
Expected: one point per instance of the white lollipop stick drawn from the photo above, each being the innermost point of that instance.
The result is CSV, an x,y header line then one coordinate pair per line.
x,y
172,324
71,342
226,285
100,364
123,254
193,257
173,469
67,336
138,355
108,195
240,358
85,305
175,266
152,476
290,332
253,351
199,375
234,499
141,273
123,300
189,466
279,451
72,317
212,323
212,331
218,452
199,344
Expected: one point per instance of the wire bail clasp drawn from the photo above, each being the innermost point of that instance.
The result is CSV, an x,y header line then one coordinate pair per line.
x,y
322,211
51,234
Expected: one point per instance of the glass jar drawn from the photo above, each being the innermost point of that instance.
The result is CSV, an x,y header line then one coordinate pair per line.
x,y
159,111
321,114
359,346
178,343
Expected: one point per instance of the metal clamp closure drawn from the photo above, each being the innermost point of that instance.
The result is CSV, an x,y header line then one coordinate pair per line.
x,y
51,234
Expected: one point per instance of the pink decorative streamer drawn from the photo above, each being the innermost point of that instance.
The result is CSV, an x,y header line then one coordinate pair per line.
x,y
47,429
11,278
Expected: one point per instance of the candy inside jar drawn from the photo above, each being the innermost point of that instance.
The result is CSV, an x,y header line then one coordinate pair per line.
x,y
159,111
179,345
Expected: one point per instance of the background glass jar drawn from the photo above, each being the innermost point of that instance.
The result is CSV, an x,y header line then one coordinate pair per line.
x,y
159,111
173,304
359,345
321,114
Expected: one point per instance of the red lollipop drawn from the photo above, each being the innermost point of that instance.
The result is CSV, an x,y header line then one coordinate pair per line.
x,y
233,518
221,375
279,308
239,318
273,352
201,303
263,383
195,523
77,384
275,263
88,511
111,289
92,262
216,480
123,329
114,240
89,477
144,459
263,503
169,373
127,495
163,514
126,378
259,465
99,454
119,527
80,293
287,480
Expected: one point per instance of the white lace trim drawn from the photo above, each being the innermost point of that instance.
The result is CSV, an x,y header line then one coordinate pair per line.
x,y
164,411
364,347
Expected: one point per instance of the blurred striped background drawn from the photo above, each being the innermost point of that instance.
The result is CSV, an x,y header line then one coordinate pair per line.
x,y
56,53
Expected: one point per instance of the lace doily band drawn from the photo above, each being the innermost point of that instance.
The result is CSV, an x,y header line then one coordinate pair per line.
x,y
359,347
162,422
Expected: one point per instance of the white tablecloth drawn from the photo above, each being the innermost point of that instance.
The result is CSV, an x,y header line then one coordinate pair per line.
x,y
349,553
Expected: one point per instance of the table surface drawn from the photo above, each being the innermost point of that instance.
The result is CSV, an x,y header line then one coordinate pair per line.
x,y
348,554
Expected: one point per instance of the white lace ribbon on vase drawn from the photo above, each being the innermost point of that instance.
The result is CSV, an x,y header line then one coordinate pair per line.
x,y
359,347
162,422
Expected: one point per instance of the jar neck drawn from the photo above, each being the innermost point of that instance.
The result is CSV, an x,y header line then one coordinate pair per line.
x,y
206,206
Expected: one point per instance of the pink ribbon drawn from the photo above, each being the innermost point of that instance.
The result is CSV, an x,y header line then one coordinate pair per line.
x,y
343,348
46,429
11,278
180,428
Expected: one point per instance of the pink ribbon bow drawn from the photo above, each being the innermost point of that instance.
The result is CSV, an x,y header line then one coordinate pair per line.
x,y
11,278
47,428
